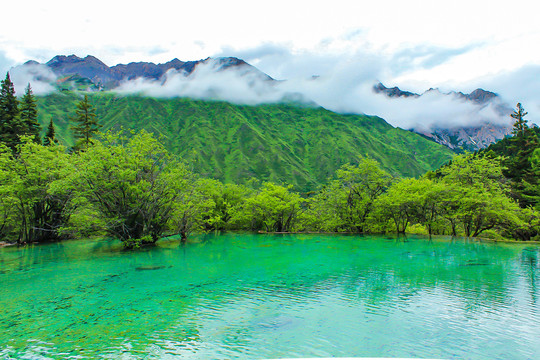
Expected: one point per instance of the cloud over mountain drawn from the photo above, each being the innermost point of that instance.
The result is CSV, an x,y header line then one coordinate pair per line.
x,y
344,86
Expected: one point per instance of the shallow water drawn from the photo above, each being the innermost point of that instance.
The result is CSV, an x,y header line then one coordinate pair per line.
x,y
243,296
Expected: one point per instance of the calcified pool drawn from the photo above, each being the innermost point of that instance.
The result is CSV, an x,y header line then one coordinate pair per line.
x,y
244,296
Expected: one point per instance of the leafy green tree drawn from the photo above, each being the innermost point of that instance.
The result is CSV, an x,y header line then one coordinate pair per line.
x,y
226,200
134,184
86,124
28,113
273,208
39,208
11,126
8,201
480,198
50,135
327,210
346,203
363,183
192,209
410,201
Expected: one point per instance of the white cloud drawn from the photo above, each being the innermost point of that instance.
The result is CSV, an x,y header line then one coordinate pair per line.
x,y
39,76
242,85
347,87
520,85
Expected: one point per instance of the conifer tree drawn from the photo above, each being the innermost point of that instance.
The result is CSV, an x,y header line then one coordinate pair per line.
x,y
87,125
520,125
50,136
28,113
10,123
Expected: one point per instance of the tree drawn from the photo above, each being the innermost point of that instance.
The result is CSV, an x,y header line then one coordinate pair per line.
x,y
8,202
518,151
50,136
133,183
346,203
327,210
225,199
362,183
411,201
39,208
87,125
192,208
28,113
11,126
479,200
520,125
273,208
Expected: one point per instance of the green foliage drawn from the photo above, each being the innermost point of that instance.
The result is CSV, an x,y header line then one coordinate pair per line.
x,y
35,208
285,144
346,203
192,208
326,210
50,136
272,208
129,186
226,201
11,126
520,125
87,125
479,198
133,183
28,114
468,197
517,152
411,201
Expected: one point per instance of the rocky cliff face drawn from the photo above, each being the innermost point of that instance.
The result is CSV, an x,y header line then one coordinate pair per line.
x,y
469,138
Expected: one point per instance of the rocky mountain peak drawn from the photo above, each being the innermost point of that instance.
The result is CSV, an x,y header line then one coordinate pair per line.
x,y
392,92
481,96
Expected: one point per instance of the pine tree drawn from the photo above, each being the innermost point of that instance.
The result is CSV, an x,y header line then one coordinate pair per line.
x,y
11,126
85,117
520,125
50,136
28,112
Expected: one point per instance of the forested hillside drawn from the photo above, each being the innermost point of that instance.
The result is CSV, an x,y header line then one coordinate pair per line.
x,y
284,143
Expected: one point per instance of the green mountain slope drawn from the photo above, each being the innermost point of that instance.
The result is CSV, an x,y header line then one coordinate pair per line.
x,y
277,142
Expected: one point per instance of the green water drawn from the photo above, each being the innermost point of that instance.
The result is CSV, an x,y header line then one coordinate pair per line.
x,y
266,296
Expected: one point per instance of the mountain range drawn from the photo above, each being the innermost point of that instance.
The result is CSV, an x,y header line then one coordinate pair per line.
x,y
103,77
292,141
91,74
470,138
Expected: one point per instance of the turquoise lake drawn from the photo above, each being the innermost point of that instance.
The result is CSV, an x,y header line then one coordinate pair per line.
x,y
253,296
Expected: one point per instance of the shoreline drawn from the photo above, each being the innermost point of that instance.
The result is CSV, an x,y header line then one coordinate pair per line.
x,y
479,238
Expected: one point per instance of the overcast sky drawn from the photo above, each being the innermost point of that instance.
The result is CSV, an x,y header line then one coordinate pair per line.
x,y
452,45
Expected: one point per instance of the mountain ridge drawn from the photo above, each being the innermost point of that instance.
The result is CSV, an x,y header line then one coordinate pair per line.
x,y
108,77
91,74
462,138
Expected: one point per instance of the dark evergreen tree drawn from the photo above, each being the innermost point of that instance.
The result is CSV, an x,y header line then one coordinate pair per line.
x,y
50,136
520,125
28,113
11,126
87,125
